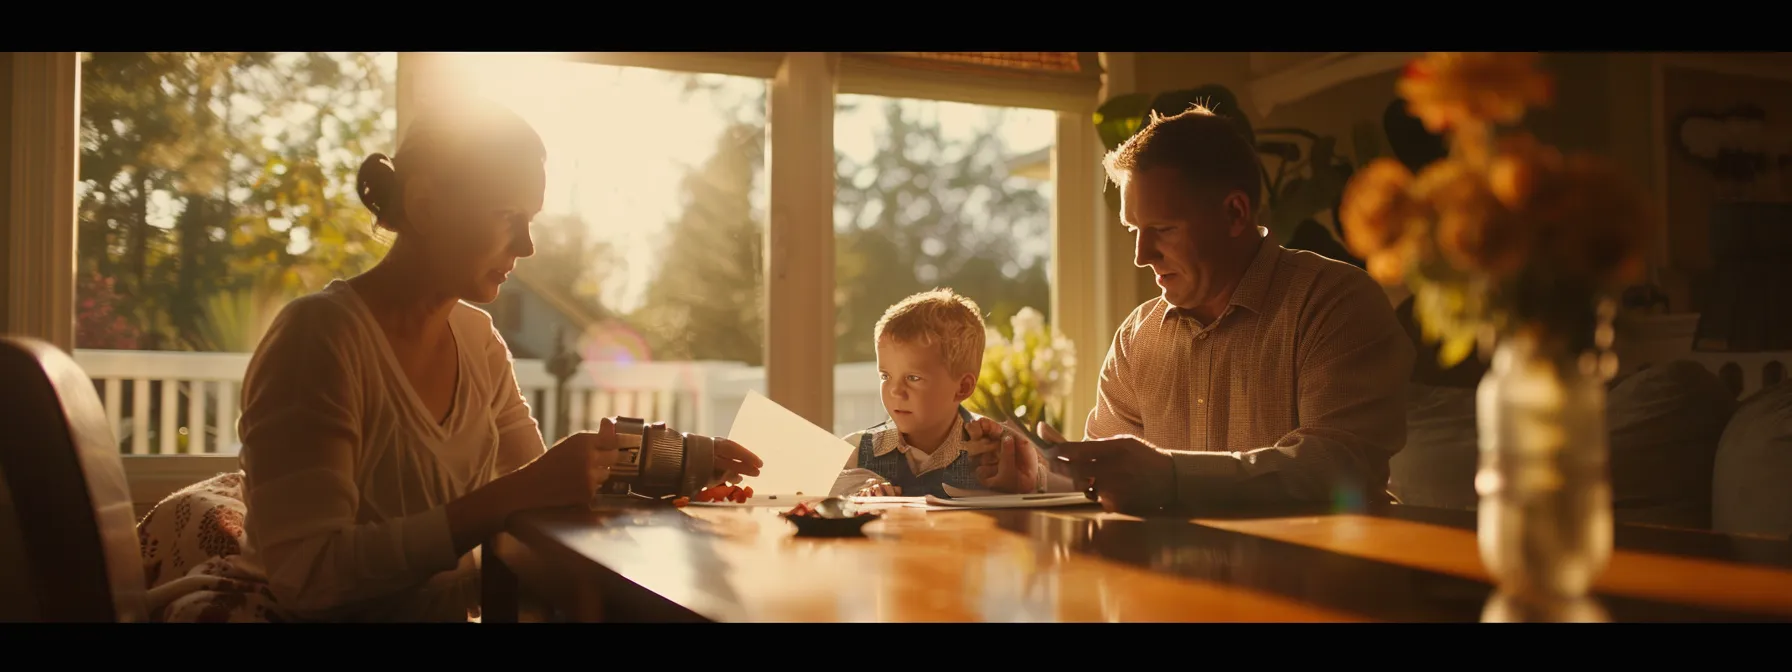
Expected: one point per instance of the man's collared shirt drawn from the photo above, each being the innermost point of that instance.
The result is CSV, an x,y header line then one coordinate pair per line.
x,y
1301,380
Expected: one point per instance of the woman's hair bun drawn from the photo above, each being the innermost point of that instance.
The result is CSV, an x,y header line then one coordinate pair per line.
x,y
377,184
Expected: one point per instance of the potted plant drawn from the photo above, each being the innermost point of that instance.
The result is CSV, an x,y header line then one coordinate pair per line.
x,y
1027,374
1510,244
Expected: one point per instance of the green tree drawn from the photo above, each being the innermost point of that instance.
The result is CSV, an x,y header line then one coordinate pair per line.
x,y
210,181
708,303
566,259
932,211
907,221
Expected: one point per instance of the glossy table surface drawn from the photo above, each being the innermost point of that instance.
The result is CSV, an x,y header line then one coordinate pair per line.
x,y
1079,564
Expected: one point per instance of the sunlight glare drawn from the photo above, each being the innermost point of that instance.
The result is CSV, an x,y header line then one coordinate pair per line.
x,y
620,141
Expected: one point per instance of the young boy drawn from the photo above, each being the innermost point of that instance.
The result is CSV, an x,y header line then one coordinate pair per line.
x,y
929,352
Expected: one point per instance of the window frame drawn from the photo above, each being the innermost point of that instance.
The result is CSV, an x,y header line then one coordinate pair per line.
x,y
799,305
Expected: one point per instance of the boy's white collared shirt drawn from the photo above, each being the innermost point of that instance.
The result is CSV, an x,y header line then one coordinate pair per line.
x,y
921,461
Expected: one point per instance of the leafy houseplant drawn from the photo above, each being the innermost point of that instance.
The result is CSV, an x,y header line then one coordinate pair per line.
x,y
1026,376
1309,172
1506,241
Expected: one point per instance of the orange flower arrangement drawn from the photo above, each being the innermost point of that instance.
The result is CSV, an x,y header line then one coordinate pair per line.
x,y
1506,233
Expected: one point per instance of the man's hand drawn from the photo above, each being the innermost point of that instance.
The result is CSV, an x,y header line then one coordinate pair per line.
x,y
1129,475
1006,462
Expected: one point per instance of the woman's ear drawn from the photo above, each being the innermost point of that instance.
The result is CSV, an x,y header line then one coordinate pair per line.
x,y
418,194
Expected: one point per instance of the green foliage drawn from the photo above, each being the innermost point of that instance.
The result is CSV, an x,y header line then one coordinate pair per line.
x,y
707,300
235,319
926,211
930,211
212,180
215,187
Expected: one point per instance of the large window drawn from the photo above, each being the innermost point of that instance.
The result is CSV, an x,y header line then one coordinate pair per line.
x,y
216,187
650,245
935,194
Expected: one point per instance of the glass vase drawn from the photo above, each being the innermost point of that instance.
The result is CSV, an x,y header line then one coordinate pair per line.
x,y
1545,514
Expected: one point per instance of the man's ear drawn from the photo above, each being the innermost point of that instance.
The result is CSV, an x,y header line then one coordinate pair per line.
x,y
1236,208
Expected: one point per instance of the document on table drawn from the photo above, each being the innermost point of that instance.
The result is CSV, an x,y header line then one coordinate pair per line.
x,y
1032,501
801,459
758,501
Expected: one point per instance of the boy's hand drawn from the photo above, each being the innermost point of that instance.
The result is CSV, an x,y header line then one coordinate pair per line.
x,y
1010,466
880,490
985,437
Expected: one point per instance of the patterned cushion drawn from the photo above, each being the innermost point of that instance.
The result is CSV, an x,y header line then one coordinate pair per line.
x,y
192,543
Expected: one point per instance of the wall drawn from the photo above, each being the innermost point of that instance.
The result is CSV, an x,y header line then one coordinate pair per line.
x,y
1693,188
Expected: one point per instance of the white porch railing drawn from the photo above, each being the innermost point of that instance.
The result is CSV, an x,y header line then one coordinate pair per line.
x,y
170,403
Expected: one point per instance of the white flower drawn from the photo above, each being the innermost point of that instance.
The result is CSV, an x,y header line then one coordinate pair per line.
x,y
1026,321
993,340
1031,368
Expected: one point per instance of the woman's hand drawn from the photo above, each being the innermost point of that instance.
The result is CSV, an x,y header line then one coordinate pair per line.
x,y
573,470
733,461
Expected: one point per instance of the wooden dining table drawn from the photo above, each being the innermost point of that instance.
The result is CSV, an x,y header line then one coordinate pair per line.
x,y
634,560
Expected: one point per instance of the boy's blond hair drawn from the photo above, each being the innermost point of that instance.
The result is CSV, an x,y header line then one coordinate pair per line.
x,y
939,318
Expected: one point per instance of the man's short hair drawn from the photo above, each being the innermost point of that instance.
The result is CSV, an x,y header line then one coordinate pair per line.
x,y
939,318
1209,150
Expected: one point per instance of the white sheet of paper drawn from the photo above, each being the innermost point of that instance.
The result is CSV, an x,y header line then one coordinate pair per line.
x,y
799,456
956,492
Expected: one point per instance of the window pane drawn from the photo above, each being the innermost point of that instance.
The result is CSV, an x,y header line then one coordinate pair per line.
x,y
649,248
935,194
214,188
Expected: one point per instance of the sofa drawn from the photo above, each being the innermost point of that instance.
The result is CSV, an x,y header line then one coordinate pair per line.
x,y
1685,452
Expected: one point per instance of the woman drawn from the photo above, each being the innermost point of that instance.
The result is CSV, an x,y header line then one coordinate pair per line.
x,y
384,435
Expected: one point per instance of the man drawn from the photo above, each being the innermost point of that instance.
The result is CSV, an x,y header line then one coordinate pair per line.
x,y
1261,375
